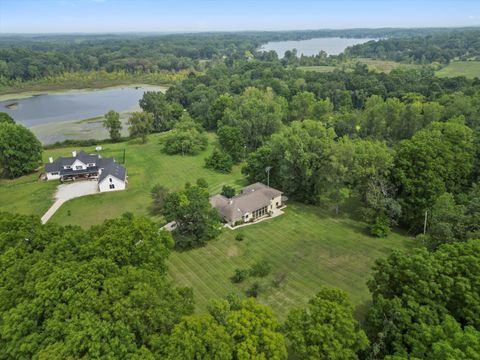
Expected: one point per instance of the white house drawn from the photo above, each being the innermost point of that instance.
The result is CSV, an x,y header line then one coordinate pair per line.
x,y
253,203
110,175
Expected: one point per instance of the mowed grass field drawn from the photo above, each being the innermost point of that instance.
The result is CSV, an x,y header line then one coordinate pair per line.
x,y
146,166
469,69
383,66
306,245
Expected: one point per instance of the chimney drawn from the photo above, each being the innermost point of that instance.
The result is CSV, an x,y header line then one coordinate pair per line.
x,y
74,153
50,159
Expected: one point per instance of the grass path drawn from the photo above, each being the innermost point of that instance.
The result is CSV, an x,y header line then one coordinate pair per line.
x,y
307,245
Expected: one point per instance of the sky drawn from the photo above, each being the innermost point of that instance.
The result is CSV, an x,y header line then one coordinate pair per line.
x,y
99,16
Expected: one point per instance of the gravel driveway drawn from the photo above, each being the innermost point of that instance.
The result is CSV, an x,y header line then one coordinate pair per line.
x,y
69,191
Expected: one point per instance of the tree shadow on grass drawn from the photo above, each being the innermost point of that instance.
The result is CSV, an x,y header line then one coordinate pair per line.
x,y
361,310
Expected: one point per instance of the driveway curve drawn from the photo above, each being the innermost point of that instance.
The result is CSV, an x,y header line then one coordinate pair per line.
x,y
70,191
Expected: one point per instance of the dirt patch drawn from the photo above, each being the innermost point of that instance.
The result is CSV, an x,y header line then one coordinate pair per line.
x,y
233,251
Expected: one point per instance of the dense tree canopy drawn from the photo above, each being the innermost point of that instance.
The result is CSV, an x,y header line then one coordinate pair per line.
x,y
196,221
258,114
70,293
326,329
424,302
436,159
20,150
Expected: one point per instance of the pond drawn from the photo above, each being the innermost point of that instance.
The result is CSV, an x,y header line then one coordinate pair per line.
x,y
332,46
73,114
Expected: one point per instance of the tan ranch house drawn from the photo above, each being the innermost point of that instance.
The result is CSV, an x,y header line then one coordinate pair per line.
x,y
254,202
110,175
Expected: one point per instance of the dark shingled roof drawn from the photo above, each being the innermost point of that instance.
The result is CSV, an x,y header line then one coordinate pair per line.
x,y
107,164
251,198
114,169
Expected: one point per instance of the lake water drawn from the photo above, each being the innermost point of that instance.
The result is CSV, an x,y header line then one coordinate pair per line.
x,y
72,105
332,46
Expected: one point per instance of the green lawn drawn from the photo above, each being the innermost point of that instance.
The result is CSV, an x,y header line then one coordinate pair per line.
x,y
469,69
308,245
384,66
323,68
146,165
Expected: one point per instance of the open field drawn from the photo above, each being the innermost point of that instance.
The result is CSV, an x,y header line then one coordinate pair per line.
x,y
323,68
384,66
146,165
469,69
306,244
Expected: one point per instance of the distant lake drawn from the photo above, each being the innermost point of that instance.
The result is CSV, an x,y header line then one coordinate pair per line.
x,y
72,105
332,46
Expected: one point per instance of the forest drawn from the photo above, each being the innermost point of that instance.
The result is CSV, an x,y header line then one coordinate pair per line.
x,y
402,149
28,57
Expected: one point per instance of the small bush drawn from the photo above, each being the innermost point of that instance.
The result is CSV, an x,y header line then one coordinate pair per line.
x,y
219,161
240,236
279,279
228,191
260,269
253,290
239,276
381,227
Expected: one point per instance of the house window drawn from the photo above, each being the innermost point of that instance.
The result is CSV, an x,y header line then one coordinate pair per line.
x,y
68,167
54,173
78,167
91,165
112,186
110,180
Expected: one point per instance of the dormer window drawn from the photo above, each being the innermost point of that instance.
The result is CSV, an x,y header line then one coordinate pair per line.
x,y
68,167
91,165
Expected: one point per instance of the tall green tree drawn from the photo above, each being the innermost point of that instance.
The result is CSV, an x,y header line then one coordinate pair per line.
x,y
140,125
298,156
436,159
113,125
187,137
5,118
165,113
258,114
20,150
232,142
196,220
325,329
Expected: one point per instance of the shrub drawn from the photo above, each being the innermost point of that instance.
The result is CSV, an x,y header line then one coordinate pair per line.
x,y
228,191
219,161
253,290
260,269
240,236
381,226
239,276
279,279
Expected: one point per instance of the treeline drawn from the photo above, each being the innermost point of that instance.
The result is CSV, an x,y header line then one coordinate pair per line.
x,y
28,57
439,47
67,292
